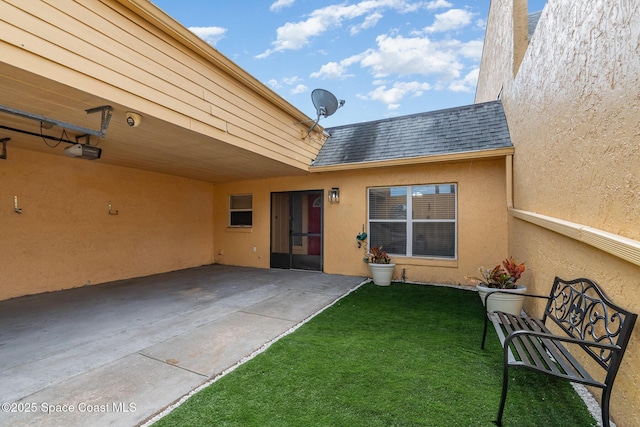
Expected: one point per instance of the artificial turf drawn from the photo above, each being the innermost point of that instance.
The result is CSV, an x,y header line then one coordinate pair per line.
x,y
403,355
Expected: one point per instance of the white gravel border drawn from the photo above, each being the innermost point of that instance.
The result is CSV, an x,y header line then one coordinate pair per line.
x,y
591,402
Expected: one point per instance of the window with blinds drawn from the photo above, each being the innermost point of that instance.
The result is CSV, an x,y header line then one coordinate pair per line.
x,y
419,220
241,210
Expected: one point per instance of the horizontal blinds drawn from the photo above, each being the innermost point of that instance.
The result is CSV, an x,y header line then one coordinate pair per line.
x,y
388,203
434,202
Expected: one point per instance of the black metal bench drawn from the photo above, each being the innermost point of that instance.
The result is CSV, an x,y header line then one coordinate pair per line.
x,y
592,324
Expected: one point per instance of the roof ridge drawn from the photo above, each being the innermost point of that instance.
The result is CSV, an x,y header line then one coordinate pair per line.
x,y
407,116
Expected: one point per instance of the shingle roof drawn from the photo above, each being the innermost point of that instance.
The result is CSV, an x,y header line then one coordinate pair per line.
x,y
469,128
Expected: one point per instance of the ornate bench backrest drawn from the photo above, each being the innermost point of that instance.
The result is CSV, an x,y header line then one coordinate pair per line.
x,y
583,311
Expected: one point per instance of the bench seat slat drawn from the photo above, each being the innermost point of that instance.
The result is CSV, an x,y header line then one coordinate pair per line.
x,y
573,370
529,351
543,347
497,325
543,354
522,346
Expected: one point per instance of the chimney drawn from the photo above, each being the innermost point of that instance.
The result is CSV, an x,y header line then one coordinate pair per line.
x,y
520,32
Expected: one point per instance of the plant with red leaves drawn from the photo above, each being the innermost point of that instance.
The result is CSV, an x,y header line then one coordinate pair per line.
x,y
502,276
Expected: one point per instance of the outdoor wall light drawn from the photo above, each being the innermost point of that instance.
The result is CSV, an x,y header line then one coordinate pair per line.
x,y
334,195
3,153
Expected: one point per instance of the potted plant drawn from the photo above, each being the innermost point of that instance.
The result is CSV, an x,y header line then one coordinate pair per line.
x,y
380,265
502,278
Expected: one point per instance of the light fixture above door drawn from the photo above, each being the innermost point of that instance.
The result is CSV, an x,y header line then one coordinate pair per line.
x,y
334,195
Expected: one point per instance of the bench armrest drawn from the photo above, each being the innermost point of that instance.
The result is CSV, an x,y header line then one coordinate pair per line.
x,y
502,291
567,339
499,291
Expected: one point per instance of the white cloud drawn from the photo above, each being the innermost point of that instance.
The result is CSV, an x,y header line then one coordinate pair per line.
x,y
281,4
392,96
331,70
438,4
471,49
299,89
402,56
296,35
335,70
274,84
433,61
294,81
467,84
415,55
211,35
291,80
369,22
452,19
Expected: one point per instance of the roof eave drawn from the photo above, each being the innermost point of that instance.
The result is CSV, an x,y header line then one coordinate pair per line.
x,y
152,13
438,158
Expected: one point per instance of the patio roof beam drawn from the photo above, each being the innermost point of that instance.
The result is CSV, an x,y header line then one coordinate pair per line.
x,y
106,111
40,135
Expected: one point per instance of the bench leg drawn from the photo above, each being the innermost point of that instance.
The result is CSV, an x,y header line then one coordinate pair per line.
x,y
503,397
484,335
606,395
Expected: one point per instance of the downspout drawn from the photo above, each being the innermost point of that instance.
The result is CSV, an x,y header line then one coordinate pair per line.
x,y
509,183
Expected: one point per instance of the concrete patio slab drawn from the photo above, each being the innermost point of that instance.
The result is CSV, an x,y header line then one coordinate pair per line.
x,y
214,347
292,305
144,341
118,394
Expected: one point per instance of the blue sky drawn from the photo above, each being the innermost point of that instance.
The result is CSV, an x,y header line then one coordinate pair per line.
x,y
385,58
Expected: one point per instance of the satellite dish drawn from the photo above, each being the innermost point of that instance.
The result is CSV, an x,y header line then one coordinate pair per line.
x,y
326,104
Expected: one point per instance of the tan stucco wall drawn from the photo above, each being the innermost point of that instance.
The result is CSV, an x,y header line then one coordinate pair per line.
x,y
574,117
482,220
65,237
497,64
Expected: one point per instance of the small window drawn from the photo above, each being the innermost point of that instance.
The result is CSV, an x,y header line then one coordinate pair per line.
x,y
241,210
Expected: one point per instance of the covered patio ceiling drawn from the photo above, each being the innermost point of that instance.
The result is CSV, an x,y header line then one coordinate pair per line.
x,y
155,145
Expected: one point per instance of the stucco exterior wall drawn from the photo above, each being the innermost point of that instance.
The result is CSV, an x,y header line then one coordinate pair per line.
x,y
482,220
497,63
574,115
65,237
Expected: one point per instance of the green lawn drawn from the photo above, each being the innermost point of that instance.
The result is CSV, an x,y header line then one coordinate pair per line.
x,y
404,355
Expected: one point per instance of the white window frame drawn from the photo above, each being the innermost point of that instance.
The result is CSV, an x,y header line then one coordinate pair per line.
x,y
232,210
409,221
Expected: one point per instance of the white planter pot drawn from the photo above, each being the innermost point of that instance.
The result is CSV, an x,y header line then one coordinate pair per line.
x,y
381,273
510,302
